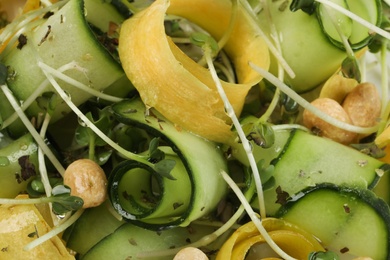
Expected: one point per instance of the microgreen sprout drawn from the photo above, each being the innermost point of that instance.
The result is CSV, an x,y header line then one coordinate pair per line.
x,y
207,48
262,134
61,200
161,165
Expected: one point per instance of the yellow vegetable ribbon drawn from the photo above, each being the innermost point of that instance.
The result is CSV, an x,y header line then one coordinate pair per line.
x,y
178,87
290,238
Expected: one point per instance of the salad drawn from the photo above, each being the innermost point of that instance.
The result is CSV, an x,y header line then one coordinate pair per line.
x,y
174,129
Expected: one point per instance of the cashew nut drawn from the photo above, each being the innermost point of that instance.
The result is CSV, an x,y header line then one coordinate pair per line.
x,y
363,105
335,110
190,253
87,180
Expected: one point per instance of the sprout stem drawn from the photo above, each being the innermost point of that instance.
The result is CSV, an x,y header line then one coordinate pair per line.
x,y
245,143
271,47
40,141
89,124
58,74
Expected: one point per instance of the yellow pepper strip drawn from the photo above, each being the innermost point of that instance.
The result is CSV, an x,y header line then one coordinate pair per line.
x,y
383,139
179,88
291,239
21,224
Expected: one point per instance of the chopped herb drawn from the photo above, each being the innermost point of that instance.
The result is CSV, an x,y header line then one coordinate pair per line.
x,y
22,41
281,196
133,242
177,205
347,209
27,168
47,15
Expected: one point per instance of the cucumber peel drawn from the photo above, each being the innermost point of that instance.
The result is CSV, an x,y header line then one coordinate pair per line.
x,y
352,221
202,160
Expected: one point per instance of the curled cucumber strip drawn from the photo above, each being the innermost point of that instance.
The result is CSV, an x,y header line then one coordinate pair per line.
x,y
196,190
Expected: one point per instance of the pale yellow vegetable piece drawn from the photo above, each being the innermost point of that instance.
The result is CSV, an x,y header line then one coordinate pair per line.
x,y
179,88
290,238
337,87
384,138
20,225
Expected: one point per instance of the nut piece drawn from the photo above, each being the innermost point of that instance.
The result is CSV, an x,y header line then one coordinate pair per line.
x,y
88,181
363,105
335,110
190,253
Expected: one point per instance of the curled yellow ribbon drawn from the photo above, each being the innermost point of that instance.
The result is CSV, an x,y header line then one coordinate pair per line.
x,y
290,238
178,87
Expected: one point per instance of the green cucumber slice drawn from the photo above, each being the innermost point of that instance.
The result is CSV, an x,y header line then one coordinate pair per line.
x,y
328,17
358,35
202,160
348,221
130,240
303,44
14,174
63,38
307,160
93,225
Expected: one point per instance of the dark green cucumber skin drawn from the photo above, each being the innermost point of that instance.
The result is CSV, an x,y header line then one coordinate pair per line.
x,y
363,42
202,167
359,199
68,41
307,160
11,183
93,225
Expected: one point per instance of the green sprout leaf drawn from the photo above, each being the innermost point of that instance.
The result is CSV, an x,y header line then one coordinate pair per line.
x,y
307,6
155,154
350,68
202,40
165,167
102,120
262,134
48,101
64,204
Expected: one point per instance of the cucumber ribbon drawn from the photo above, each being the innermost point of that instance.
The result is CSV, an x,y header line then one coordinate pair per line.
x,y
196,188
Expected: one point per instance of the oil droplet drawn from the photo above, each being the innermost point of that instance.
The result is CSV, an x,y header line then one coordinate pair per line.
x,y
4,161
